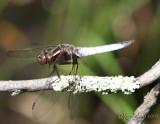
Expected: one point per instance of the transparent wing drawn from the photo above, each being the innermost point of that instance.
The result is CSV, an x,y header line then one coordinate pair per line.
x,y
73,104
43,103
75,100
46,99
84,68
29,52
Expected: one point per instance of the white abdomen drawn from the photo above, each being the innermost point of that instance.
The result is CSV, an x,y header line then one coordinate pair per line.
x,y
86,51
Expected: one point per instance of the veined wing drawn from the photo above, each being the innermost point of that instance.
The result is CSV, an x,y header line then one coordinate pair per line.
x,y
43,103
74,102
29,52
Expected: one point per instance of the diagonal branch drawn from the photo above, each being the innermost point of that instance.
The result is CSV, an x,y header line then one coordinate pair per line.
x,y
149,100
150,76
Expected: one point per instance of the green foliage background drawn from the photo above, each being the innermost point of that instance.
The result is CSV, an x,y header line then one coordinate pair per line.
x,y
83,23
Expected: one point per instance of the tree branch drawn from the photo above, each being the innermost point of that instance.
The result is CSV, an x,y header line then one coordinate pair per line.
x,y
74,84
85,83
149,100
150,76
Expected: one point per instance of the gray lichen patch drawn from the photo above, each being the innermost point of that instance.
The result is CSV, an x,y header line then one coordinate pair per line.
x,y
106,85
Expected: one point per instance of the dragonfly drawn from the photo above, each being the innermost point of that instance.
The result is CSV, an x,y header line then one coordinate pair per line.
x,y
64,54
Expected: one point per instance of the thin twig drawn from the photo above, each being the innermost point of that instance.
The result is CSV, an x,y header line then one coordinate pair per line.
x,y
150,76
142,111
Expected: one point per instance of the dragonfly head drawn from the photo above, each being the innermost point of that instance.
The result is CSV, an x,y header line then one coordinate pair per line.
x,y
42,57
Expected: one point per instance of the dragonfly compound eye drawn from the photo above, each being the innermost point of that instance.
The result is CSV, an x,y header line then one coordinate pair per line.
x,y
42,58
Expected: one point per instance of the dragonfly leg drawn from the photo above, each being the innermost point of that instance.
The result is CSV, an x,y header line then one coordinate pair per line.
x,y
52,71
71,70
76,66
55,67
71,63
75,62
55,70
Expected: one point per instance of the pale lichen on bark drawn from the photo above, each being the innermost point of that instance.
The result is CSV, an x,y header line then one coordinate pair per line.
x,y
75,84
106,85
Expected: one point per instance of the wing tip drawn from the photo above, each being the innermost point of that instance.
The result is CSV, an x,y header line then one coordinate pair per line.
x,y
131,41
12,53
128,43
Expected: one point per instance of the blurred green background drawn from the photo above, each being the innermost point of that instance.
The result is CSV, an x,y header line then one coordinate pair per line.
x,y
80,23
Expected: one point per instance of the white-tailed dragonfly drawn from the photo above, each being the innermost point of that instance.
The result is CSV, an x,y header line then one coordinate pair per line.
x,y
61,54
64,54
